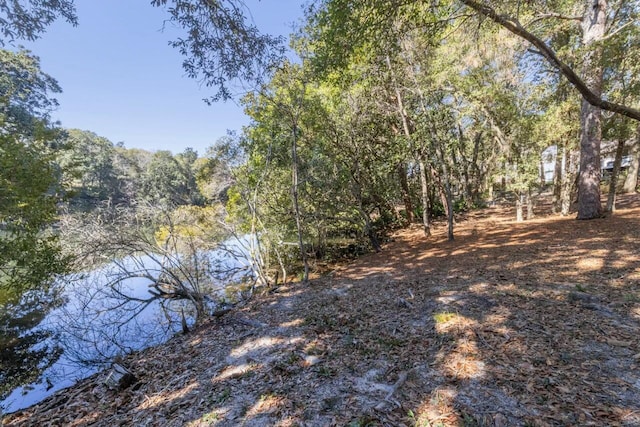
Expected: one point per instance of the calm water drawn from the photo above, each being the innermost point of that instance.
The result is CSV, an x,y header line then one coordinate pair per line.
x,y
95,323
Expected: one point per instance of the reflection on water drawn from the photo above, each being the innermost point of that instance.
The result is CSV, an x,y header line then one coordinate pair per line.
x,y
49,344
26,348
93,325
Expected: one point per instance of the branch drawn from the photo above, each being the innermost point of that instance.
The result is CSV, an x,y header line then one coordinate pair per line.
x,y
556,16
616,31
516,28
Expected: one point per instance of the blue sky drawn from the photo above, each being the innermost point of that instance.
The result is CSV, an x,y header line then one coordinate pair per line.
x,y
121,80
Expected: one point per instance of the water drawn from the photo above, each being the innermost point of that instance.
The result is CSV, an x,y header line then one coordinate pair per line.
x,y
97,322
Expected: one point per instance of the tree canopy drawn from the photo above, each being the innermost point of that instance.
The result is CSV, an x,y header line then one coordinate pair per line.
x,y
28,19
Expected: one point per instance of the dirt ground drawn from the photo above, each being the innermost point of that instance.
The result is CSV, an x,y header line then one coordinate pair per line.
x,y
511,324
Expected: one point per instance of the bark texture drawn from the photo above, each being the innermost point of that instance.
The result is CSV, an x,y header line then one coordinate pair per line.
x,y
611,197
631,180
296,205
424,184
593,30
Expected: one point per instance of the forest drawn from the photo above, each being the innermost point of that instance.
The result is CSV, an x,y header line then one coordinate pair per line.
x,y
393,114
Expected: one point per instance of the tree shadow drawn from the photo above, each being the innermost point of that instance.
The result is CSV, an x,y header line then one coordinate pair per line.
x,y
510,324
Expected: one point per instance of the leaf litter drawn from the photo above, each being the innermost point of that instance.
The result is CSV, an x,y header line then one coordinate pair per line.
x,y
511,324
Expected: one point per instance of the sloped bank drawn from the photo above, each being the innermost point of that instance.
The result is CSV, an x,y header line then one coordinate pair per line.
x,y
510,324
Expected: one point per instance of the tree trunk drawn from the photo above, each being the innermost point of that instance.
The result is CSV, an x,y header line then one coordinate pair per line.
x,y
370,231
356,190
530,214
519,215
593,30
402,170
406,192
119,377
558,174
425,198
611,197
631,181
463,167
569,176
448,195
450,218
565,190
296,205
478,179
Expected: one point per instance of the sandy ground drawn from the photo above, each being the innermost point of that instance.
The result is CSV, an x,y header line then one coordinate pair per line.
x,y
511,324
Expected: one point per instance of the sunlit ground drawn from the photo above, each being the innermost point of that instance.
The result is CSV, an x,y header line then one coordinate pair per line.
x,y
534,323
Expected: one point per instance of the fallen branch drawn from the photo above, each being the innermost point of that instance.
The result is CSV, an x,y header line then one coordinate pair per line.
x,y
402,378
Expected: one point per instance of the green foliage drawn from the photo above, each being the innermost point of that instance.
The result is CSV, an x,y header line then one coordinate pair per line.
x,y
29,257
213,172
88,172
94,171
342,161
191,224
461,205
27,19
29,254
222,46
437,209
444,317
169,179
25,101
342,32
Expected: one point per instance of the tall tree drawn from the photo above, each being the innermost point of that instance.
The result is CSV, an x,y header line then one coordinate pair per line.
x,y
28,178
25,94
167,180
595,30
596,10
29,251
594,23
87,166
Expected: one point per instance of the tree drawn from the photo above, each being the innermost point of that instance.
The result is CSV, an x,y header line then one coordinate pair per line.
x,y
30,256
595,30
286,97
214,172
340,29
27,19
631,180
187,160
365,155
129,165
28,179
593,25
168,180
88,172
25,94
222,47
